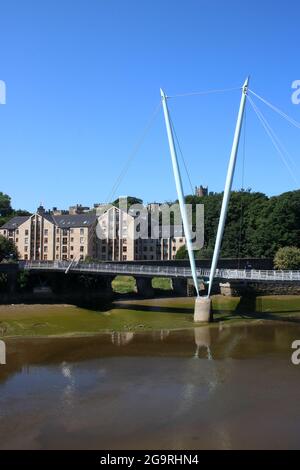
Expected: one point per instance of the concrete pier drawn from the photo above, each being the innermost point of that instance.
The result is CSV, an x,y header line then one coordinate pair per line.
x,y
202,312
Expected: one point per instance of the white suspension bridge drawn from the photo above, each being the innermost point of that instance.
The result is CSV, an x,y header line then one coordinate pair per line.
x,y
202,303
143,270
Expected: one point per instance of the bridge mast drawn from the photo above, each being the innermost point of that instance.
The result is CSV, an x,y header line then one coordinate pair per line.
x,y
179,189
228,184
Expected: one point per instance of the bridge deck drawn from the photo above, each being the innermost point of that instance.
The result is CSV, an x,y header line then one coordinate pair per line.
x,y
160,271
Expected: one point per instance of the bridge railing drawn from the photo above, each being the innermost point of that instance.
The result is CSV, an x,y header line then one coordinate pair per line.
x,y
167,271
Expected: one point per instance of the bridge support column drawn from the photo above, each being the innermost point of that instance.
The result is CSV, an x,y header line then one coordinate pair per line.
x,y
144,286
202,312
180,286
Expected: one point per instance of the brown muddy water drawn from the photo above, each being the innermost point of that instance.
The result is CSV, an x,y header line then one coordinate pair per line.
x,y
209,387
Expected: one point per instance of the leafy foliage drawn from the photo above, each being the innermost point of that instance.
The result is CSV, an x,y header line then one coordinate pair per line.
x,y
7,249
287,258
6,211
256,226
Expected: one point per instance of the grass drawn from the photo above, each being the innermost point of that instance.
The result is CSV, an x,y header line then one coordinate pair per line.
x,y
138,315
127,284
124,284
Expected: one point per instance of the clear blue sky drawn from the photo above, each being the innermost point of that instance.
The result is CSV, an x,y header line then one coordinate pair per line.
x,y
83,78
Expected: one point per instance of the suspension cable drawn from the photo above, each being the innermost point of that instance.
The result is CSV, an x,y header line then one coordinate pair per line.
x,y
275,140
132,154
277,110
207,92
284,151
181,154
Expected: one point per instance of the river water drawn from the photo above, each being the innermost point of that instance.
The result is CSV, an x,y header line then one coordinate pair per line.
x,y
203,388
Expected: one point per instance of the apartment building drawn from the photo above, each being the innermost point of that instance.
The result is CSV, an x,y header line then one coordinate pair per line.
x,y
44,236
118,239
111,236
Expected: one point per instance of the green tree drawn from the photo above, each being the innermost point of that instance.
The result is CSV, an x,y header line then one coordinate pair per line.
x,y
7,249
287,257
131,200
6,210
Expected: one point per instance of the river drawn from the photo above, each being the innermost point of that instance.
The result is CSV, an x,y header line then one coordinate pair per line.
x,y
223,387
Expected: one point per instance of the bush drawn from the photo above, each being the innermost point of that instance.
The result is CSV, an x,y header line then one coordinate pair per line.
x,y
287,258
8,249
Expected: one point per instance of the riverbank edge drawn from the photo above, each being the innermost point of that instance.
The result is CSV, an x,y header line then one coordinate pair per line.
x,y
142,329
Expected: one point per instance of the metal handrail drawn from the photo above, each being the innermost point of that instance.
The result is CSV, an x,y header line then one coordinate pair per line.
x,y
168,271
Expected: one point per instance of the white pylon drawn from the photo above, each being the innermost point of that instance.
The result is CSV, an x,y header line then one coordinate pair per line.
x,y
228,185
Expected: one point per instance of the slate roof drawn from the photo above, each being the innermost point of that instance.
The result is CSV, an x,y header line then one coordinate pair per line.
x,y
61,221
15,222
76,220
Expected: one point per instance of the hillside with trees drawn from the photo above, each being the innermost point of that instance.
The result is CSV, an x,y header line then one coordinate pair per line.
x,y
257,225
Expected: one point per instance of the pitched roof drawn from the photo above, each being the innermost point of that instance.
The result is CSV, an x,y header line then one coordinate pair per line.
x,y
15,222
76,220
61,221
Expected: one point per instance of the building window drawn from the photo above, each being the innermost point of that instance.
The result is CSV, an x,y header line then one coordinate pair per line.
x,y
72,239
71,248
124,257
81,249
26,232
64,249
45,249
57,230
26,241
45,257
57,248
57,257
64,257
82,231
57,239
4,232
71,230
82,240
65,241
25,256
45,240
17,232
25,248
17,240
46,232
81,258
124,249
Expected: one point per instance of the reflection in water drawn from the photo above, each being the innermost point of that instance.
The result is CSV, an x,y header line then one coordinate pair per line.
x,y
146,390
202,340
121,338
68,391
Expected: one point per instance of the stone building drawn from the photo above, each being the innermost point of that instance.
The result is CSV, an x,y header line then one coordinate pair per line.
x,y
76,235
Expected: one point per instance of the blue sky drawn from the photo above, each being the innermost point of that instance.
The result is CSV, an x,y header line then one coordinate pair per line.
x,y
83,78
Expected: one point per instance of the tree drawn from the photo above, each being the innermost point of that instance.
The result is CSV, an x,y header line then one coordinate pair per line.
x,y
131,200
6,211
7,249
287,257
